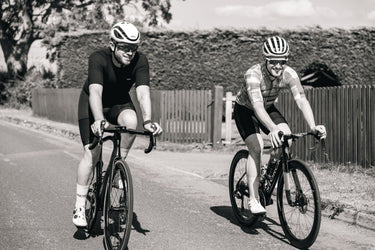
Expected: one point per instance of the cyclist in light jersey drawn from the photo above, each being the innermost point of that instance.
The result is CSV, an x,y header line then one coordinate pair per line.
x,y
254,109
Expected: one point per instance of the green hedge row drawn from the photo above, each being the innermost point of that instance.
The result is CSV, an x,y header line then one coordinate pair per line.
x,y
201,59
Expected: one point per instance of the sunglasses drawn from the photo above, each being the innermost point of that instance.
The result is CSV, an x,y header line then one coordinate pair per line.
x,y
275,62
127,48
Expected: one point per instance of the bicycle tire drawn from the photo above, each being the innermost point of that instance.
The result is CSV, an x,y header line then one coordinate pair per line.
x,y
238,189
308,214
91,204
118,206
91,207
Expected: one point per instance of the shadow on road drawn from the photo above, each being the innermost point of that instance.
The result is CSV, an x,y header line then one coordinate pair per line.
x,y
96,230
137,226
226,212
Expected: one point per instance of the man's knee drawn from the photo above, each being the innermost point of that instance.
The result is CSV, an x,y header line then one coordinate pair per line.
x,y
90,156
128,118
254,144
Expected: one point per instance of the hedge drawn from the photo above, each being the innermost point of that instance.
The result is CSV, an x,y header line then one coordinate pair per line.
x,y
201,59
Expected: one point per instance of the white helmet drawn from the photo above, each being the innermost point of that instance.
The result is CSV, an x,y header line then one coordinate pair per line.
x,y
275,46
124,32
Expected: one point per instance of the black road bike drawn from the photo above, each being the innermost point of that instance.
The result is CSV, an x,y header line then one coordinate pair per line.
x,y
111,190
298,198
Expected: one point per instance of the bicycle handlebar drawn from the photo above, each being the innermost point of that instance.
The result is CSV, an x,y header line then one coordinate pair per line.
x,y
300,135
122,129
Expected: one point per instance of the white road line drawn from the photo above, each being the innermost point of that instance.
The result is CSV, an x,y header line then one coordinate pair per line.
x,y
137,159
72,155
33,153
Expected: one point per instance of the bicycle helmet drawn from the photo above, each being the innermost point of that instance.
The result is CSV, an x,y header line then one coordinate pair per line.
x,y
275,46
124,32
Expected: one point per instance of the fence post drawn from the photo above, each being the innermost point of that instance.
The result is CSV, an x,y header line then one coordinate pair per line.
x,y
216,115
228,118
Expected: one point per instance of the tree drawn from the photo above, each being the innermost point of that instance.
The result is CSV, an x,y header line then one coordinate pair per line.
x,y
24,21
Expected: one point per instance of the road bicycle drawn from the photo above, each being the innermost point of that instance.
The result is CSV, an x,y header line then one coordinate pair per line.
x,y
111,189
298,197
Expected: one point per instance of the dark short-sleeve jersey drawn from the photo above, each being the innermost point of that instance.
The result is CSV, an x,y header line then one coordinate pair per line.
x,y
116,82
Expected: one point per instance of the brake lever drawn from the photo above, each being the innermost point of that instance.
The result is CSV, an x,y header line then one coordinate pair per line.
x,y
151,145
98,139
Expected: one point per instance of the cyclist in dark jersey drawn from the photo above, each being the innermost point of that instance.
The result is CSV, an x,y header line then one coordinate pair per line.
x,y
105,96
254,109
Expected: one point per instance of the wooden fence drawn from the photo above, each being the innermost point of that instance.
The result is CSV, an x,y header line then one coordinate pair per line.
x,y
349,116
186,116
189,116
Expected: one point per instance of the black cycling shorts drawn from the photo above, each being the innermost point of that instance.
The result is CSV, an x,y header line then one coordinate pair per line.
x,y
85,117
247,122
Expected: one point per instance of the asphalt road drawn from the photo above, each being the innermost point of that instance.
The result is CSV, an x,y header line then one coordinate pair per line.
x,y
173,209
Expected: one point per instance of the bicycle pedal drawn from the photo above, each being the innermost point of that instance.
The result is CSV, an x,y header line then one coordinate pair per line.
x,y
261,217
79,228
270,202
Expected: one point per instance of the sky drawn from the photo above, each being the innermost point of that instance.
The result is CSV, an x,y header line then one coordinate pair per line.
x,y
271,14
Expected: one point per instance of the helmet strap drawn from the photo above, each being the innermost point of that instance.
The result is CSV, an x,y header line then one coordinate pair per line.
x,y
114,56
270,74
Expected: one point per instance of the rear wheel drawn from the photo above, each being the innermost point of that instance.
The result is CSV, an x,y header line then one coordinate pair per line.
x,y
299,207
238,189
118,207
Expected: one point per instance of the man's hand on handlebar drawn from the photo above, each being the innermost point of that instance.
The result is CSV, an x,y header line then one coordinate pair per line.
x,y
97,128
320,131
275,137
153,127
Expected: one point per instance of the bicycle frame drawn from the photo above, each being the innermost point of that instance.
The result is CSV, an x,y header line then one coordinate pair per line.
x,y
100,178
282,167
116,154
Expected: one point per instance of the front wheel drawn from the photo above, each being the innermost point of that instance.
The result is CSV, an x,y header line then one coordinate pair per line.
x,y
118,207
91,205
299,205
238,189
91,208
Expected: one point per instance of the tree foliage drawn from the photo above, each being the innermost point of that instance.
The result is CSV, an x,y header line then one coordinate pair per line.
x,y
24,21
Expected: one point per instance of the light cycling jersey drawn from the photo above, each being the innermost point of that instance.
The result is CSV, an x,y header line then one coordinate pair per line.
x,y
261,86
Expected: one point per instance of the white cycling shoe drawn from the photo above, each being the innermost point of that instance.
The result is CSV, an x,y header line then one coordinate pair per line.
x,y
256,208
79,217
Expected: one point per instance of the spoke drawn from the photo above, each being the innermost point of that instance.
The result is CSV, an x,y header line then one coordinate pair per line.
x,y
301,217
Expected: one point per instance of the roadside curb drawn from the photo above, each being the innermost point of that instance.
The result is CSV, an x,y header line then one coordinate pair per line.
x,y
351,216
340,213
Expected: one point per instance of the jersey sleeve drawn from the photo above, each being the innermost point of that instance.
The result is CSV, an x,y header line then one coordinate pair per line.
x,y
291,77
95,69
142,72
252,81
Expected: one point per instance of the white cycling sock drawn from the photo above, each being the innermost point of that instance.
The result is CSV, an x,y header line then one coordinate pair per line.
x,y
81,195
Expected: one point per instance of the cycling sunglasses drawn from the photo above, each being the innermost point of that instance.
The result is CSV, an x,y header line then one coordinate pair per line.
x,y
127,47
275,61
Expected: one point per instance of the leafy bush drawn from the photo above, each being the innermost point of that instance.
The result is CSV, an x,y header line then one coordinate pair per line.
x,y
201,59
17,93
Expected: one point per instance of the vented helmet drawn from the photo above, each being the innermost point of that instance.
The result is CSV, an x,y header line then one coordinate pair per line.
x,y
275,46
124,32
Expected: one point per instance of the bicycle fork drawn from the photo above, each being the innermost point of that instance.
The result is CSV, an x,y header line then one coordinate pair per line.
x,y
300,199
286,175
